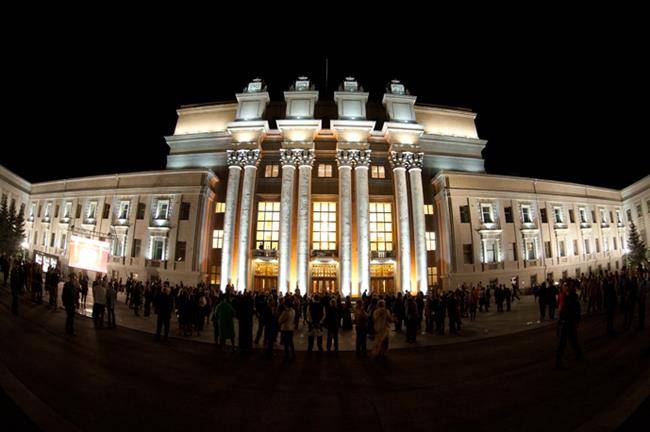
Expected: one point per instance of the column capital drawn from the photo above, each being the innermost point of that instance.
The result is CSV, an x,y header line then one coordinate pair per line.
x,y
361,158
304,157
344,158
287,158
243,157
353,158
405,159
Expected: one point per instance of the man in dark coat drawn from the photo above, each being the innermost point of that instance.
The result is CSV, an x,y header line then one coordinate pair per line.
x,y
70,299
244,308
163,305
332,324
568,326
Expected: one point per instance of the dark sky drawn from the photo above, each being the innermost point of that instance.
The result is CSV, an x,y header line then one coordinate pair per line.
x,y
549,109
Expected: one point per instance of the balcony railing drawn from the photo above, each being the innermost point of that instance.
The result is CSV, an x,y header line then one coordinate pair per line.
x,y
316,253
382,254
265,253
156,263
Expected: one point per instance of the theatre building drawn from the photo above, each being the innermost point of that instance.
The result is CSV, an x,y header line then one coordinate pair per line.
x,y
333,196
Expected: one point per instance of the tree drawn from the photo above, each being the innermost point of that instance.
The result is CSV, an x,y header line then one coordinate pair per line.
x,y
636,248
5,228
18,229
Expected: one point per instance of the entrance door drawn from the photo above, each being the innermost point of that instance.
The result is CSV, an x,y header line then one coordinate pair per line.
x,y
382,278
323,279
265,277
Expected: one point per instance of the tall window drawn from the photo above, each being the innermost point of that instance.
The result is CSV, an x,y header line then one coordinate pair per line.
x,y
123,212
48,210
107,211
67,209
487,213
468,254
614,243
526,214
549,251
542,215
377,171
558,215
605,244
324,226
432,276
217,239
32,210
92,209
381,227
639,210
587,247
137,244
428,209
157,248
561,248
507,212
184,212
583,215
52,239
575,247
603,216
181,246
628,212
63,241
572,217
531,250
268,224
324,170
272,171
219,207
162,210
490,251
141,209
619,220
430,238
464,214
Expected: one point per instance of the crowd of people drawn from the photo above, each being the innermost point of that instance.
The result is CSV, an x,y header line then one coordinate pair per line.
x,y
324,316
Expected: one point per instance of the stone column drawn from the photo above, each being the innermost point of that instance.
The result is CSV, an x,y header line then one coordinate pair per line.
x,y
304,160
250,159
419,228
401,161
345,163
362,164
232,191
287,160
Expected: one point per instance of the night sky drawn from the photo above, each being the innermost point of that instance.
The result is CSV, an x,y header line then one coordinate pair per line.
x,y
550,110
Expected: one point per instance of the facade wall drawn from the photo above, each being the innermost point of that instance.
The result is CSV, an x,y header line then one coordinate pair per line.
x,y
48,232
559,248
636,203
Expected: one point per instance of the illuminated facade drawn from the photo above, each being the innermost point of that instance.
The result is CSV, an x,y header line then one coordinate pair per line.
x,y
344,196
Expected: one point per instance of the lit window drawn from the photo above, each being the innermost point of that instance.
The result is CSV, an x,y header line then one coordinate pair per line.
x,y
324,226
220,207
157,248
67,209
587,246
561,248
324,170
92,209
490,251
526,214
428,209
63,241
272,171
605,244
603,216
583,215
123,212
162,210
217,239
430,237
44,239
619,220
268,225
377,171
531,249
559,216
32,211
432,276
48,209
486,213
381,227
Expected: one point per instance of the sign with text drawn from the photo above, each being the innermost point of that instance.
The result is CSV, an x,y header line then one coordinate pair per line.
x,y
88,254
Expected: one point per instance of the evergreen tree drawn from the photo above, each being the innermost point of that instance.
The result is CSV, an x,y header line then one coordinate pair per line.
x,y
636,248
5,227
18,231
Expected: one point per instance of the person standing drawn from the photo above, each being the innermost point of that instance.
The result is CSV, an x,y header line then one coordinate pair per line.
x,y
332,324
412,315
83,282
163,308
226,315
245,318
99,301
542,295
610,303
382,319
361,327
568,326
270,319
286,321
314,324
15,289
398,312
70,300
111,300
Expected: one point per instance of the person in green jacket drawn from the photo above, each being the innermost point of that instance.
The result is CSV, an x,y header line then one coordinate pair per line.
x,y
225,316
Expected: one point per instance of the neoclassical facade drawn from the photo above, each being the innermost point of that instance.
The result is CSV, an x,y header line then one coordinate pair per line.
x,y
345,196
